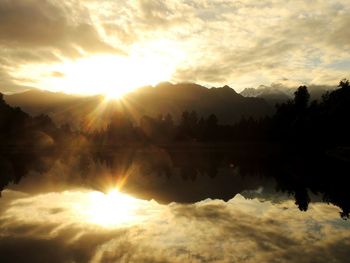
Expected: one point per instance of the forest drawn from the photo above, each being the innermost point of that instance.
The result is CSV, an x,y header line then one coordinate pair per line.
x,y
324,123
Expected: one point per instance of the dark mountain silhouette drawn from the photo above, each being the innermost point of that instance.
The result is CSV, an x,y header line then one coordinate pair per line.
x,y
61,107
164,98
224,102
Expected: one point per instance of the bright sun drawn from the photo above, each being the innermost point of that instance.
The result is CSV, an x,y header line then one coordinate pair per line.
x,y
111,75
114,76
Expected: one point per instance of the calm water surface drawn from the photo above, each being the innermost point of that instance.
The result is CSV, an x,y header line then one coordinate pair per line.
x,y
178,206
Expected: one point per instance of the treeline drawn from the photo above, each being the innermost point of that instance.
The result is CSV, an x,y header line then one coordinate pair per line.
x,y
32,143
324,122
18,130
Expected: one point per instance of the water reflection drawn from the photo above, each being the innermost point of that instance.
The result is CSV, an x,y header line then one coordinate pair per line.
x,y
112,209
187,174
178,204
191,174
207,231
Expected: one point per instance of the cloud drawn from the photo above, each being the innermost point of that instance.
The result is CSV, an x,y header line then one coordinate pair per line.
x,y
44,32
240,43
207,231
57,74
45,24
251,44
7,84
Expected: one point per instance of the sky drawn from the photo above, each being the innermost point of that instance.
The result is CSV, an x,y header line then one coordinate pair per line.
x,y
112,47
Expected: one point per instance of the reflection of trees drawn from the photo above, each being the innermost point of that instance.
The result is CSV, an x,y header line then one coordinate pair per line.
x,y
196,164
298,172
31,143
295,173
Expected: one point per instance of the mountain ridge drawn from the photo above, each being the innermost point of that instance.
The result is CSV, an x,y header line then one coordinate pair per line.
x,y
164,98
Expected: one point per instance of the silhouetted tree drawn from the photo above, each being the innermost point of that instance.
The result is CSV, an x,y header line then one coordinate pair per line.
x,y
211,128
344,84
212,121
301,98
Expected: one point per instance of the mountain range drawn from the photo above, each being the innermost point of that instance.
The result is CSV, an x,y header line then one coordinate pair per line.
x,y
228,105
153,101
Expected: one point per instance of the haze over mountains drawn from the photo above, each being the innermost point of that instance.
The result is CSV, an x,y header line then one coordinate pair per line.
x,y
164,98
62,108
278,93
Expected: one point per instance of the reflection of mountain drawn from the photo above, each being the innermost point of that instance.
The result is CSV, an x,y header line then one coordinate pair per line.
x,y
183,175
187,173
152,101
192,173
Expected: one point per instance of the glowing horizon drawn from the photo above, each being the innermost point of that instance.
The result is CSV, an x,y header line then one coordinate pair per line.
x,y
103,47
109,75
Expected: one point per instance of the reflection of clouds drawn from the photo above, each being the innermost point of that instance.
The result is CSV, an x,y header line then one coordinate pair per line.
x,y
80,207
207,231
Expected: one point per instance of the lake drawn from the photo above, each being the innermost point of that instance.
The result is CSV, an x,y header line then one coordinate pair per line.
x,y
175,204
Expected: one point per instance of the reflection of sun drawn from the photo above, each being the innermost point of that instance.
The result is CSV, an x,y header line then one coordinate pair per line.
x,y
81,208
113,208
